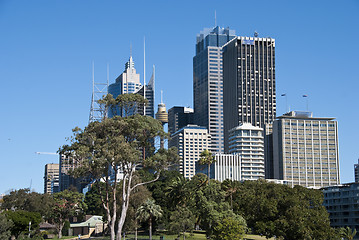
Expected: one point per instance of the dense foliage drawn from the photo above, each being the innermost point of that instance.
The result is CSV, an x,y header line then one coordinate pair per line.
x,y
279,210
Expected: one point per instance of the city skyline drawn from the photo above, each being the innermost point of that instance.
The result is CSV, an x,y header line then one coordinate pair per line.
x,y
48,49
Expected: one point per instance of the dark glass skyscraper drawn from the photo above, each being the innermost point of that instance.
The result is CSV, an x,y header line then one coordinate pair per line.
x,y
179,117
208,83
248,83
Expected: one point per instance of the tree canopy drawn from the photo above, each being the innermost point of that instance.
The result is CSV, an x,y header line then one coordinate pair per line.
x,y
119,145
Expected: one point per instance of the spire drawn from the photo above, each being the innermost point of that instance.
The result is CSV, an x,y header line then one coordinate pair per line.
x,y
130,64
151,83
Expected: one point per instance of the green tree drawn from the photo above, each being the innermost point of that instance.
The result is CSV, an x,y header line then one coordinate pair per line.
x,y
119,144
229,229
208,203
5,227
207,158
279,210
66,204
23,199
182,221
21,220
149,211
177,192
93,199
348,233
138,197
230,187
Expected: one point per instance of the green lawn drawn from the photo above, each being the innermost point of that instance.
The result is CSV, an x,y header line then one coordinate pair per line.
x,y
196,236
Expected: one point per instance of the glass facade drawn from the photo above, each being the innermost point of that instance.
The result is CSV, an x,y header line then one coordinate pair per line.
x,y
208,83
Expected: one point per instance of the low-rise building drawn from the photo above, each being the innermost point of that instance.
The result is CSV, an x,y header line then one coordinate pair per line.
x,y
342,204
226,166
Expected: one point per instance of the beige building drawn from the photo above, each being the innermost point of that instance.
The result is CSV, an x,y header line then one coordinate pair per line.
x,y
190,142
51,178
247,141
305,150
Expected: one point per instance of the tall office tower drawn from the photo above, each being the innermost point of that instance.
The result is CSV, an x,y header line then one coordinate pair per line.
x,y
190,142
248,83
208,83
305,150
356,171
150,96
179,117
127,82
248,142
51,178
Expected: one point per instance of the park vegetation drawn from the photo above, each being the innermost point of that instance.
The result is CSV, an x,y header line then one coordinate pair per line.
x,y
151,196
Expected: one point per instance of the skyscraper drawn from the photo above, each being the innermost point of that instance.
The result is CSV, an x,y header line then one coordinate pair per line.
x,y
248,142
305,150
179,117
150,96
208,83
129,82
51,178
249,94
190,141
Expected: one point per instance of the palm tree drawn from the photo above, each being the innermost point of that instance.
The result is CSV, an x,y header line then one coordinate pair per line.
x,y
207,158
348,233
149,210
230,187
177,191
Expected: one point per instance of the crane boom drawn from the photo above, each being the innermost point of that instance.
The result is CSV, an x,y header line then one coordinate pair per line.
x,y
48,153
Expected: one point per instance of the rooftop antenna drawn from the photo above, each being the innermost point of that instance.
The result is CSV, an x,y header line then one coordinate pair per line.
x,y
306,96
108,73
144,74
154,78
286,101
131,49
161,96
215,18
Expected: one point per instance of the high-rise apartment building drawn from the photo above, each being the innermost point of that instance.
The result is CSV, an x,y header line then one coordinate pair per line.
x,y
247,141
356,171
190,141
249,94
179,117
208,83
305,150
51,178
129,82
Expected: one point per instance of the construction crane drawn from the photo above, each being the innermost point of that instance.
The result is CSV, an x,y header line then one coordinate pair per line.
x,y
48,153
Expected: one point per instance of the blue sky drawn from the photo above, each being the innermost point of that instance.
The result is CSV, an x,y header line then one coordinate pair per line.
x,y
47,47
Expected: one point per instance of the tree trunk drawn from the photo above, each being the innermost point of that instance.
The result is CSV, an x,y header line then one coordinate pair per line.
x,y
136,233
150,228
61,225
231,201
126,191
184,236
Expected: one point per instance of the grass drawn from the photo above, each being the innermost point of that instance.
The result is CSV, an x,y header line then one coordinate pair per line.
x,y
196,236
